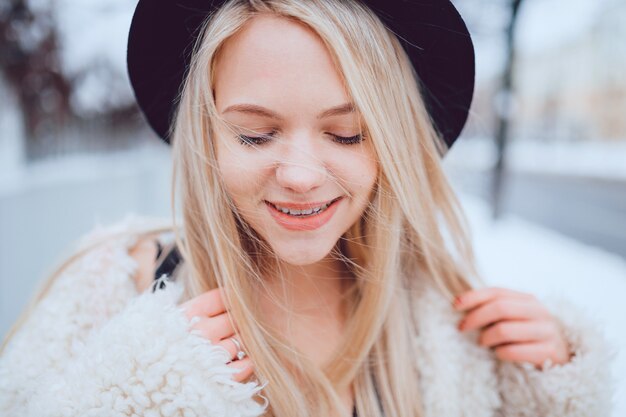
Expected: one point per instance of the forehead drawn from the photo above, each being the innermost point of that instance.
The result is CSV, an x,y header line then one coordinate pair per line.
x,y
273,57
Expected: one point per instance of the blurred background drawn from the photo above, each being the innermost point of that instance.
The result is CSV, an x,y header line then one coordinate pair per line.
x,y
540,168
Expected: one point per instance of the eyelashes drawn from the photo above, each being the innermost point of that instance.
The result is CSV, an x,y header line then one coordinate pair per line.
x,y
260,140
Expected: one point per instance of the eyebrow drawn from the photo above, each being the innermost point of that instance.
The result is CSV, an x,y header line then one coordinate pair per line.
x,y
345,108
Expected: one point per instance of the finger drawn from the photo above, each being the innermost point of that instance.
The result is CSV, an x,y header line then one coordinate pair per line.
x,y
534,352
474,298
207,304
230,347
500,309
214,328
246,367
509,331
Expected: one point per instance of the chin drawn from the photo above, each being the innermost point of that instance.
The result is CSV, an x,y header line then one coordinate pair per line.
x,y
300,255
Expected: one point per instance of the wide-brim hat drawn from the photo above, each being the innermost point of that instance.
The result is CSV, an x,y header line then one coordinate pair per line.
x,y
435,37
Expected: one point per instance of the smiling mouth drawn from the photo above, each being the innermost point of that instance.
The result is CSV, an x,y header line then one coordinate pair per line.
x,y
301,206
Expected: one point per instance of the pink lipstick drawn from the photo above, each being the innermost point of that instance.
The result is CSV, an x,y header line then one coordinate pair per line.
x,y
302,221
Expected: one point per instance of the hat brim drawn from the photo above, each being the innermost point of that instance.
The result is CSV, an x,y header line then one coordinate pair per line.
x,y
432,32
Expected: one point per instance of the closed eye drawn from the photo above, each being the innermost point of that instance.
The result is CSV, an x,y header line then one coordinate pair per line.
x,y
260,140
255,140
350,140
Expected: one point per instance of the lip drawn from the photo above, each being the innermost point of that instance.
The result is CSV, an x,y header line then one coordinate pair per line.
x,y
304,223
301,206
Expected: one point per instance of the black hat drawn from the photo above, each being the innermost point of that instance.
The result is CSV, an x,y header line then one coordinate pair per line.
x,y
432,32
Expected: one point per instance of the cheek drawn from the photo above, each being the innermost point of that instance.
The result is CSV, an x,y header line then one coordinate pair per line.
x,y
357,172
242,174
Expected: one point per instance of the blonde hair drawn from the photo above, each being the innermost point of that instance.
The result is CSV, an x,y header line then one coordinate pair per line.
x,y
400,242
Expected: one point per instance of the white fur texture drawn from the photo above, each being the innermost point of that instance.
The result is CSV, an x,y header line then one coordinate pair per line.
x,y
94,347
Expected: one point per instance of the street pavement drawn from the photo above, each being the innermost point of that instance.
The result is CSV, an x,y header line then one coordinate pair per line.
x,y
592,210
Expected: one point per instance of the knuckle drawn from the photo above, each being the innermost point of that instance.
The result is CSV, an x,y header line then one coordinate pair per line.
x,y
502,330
190,307
500,306
198,330
551,329
551,350
209,329
502,352
202,327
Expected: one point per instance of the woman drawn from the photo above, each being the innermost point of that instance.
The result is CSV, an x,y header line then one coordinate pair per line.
x,y
290,107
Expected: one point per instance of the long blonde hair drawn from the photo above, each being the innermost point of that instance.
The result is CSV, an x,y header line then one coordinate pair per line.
x,y
402,239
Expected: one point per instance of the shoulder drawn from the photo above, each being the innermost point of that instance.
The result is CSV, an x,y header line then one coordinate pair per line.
x,y
134,237
89,284
109,254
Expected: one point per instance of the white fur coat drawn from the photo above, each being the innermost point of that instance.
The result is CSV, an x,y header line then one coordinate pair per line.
x,y
95,347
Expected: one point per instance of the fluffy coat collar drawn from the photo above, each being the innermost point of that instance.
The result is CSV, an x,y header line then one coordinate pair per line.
x,y
94,347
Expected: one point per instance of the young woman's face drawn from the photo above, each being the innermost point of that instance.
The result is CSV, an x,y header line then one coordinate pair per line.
x,y
276,79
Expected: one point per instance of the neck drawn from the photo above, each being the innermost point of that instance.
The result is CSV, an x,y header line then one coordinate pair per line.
x,y
306,306
308,292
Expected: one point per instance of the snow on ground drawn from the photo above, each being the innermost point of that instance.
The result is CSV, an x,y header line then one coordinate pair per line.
x,y
593,158
511,253
520,255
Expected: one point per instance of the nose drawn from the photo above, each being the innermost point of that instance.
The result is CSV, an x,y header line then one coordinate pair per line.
x,y
301,169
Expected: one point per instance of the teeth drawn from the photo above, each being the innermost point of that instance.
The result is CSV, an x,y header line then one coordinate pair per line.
x,y
302,212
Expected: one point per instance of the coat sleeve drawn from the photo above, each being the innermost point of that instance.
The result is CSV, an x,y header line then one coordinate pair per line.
x,y
582,387
93,346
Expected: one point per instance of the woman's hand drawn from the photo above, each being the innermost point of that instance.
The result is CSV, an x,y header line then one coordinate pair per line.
x,y
212,321
514,324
